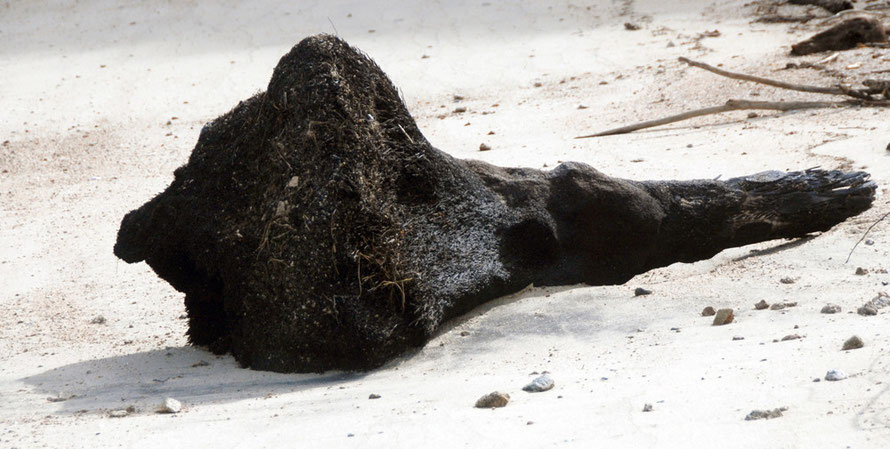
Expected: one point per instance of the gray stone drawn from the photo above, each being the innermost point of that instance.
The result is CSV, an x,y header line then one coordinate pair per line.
x,y
708,311
170,405
541,383
831,308
765,414
835,375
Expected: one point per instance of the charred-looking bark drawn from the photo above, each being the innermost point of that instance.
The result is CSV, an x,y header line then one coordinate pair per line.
x,y
314,227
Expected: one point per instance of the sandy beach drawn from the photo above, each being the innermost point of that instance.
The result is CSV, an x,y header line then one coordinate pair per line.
x,y
102,100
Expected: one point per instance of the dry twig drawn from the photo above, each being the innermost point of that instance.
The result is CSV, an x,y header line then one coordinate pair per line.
x,y
861,97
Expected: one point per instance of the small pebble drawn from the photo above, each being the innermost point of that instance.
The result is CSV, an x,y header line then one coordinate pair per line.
x,y
723,316
869,242
737,338
791,337
542,383
867,310
373,396
765,414
647,408
640,291
777,306
835,375
761,305
786,280
493,400
459,110
170,405
853,342
708,311
631,26
98,320
861,271
484,147
831,308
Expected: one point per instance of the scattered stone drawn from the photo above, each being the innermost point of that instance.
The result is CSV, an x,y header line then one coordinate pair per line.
x,y
853,342
777,306
786,280
373,396
98,320
457,97
868,309
200,363
723,316
817,380
640,291
61,397
861,271
791,337
761,305
831,309
835,375
542,383
631,26
484,147
753,115
464,333
493,400
647,408
708,311
869,242
170,405
459,110
765,414
843,36
737,338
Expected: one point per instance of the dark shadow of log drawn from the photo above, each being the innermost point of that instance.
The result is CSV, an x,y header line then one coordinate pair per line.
x,y
315,228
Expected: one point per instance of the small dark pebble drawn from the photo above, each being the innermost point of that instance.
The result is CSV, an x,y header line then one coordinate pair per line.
x,y
494,399
761,305
631,26
831,308
373,396
786,280
640,291
853,342
861,271
723,316
765,414
737,338
647,407
708,311
484,147
791,337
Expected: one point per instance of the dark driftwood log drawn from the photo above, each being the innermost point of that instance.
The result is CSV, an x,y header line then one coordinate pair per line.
x,y
832,6
314,227
843,36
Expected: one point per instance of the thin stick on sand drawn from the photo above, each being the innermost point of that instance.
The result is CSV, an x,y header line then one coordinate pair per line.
x,y
861,97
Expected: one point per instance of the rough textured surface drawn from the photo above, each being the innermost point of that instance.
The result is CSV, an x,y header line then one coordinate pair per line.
x,y
843,36
315,228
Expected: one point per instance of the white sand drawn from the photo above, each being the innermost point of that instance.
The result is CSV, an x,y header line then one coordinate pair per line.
x,y
87,91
